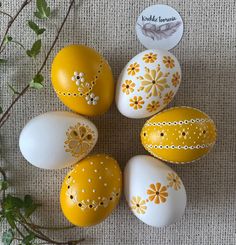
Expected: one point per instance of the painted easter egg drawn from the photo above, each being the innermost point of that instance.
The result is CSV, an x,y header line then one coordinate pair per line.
x,y
179,135
154,192
56,140
83,80
91,190
147,83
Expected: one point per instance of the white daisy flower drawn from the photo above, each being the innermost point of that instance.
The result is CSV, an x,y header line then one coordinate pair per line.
x,y
92,99
78,77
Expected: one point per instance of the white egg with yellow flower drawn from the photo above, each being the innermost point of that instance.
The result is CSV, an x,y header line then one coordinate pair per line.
x,y
148,83
154,192
57,139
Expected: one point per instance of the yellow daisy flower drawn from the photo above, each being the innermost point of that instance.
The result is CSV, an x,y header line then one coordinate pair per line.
x,y
153,82
138,205
128,87
169,62
174,181
168,97
133,69
153,106
157,193
150,58
136,102
175,79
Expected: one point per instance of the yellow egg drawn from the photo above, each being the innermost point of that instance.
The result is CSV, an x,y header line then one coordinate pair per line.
x,y
179,135
83,80
91,190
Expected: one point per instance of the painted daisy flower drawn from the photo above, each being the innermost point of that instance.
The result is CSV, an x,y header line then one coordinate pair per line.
x,y
174,181
150,58
133,69
92,99
157,193
128,87
136,102
138,205
169,62
78,78
153,106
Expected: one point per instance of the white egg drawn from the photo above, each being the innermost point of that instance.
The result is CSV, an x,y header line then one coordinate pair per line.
x,y
154,192
56,140
148,83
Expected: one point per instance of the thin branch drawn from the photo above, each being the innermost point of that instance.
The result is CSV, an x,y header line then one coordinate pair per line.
x,y
25,89
25,3
4,13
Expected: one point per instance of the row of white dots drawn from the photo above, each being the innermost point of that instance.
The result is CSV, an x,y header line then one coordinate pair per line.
x,y
197,120
179,146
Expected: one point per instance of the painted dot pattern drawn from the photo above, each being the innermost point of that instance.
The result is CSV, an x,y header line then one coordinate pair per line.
x,y
90,194
179,135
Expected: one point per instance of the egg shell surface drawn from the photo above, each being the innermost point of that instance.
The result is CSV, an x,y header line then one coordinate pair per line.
x,y
91,190
83,80
55,140
148,83
153,191
179,135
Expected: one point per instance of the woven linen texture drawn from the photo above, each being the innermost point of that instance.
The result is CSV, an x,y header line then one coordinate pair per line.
x,y
207,54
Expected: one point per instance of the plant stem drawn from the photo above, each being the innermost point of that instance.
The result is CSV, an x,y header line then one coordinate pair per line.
x,y
4,176
52,228
25,89
2,12
26,2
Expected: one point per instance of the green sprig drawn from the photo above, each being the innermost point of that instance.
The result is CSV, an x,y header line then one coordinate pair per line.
x,y
36,28
43,10
37,82
35,49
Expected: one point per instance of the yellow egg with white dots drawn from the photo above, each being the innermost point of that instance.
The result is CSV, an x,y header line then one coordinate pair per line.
x,y
91,190
179,135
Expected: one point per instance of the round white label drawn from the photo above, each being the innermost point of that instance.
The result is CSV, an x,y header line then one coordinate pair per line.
x,y
159,26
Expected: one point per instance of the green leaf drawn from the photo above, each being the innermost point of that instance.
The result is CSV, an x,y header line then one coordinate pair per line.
x,y
28,239
7,39
37,81
12,89
35,50
11,220
3,185
36,28
7,237
1,110
3,61
11,203
43,11
29,205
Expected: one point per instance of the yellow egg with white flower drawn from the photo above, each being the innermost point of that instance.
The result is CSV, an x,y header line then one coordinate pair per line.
x,y
82,79
179,135
91,190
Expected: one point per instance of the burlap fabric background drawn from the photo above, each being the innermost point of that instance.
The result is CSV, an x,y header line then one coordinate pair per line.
x,y
207,55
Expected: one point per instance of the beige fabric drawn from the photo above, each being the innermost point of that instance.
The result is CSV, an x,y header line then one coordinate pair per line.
x,y
207,54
